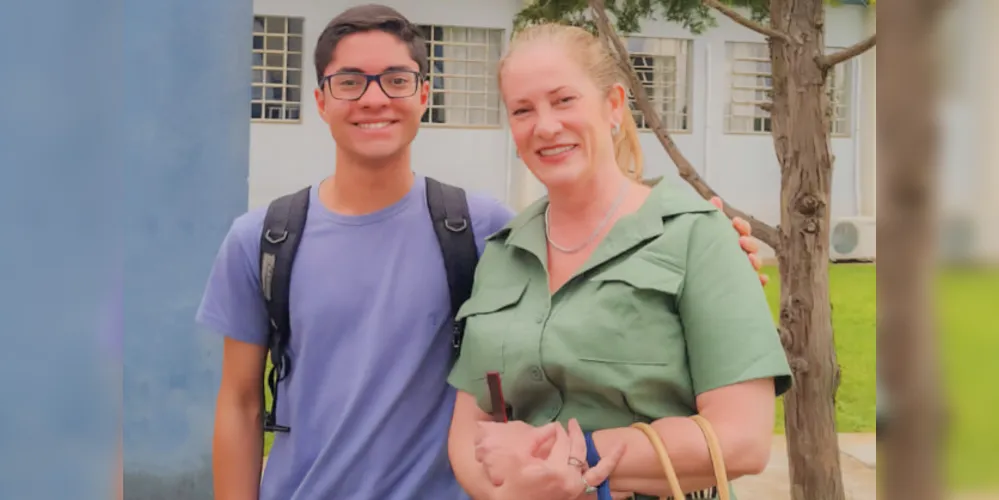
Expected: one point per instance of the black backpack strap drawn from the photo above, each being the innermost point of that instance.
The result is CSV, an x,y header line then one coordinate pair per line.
x,y
453,225
279,239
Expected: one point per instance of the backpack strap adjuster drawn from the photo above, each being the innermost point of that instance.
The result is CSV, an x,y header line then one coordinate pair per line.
x,y
456,226
273,240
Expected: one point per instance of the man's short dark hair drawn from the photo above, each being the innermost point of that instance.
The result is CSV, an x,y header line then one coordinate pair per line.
x,y
370,17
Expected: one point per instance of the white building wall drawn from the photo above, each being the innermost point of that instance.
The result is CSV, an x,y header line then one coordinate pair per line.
x,y
868,78
741,167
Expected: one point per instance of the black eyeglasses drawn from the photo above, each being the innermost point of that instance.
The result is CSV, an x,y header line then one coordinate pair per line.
x,y
351,86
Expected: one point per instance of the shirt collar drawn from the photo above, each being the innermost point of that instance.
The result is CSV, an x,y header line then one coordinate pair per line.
x,y
666,200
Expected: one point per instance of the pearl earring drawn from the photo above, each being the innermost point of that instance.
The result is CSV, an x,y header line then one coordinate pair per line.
x,y
615,129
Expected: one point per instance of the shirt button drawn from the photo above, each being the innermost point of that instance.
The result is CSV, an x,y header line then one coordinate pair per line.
x,y
536,374
540,319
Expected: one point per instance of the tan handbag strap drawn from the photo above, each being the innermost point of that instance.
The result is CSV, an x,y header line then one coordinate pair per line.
x,y
714,450
657,444
717,459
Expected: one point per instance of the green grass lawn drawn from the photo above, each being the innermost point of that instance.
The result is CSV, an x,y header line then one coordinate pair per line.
x,y
967,300
853,291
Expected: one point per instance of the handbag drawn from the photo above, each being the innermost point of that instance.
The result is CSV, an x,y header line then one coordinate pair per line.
x,y
714,449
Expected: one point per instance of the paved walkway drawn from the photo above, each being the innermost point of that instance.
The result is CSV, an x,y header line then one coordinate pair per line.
x,y
858,461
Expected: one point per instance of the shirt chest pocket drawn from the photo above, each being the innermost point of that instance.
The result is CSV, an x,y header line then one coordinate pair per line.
x,y
631,316
489,316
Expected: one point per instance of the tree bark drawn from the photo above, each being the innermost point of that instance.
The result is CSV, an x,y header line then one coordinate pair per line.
x,y
828,61
734,15
800,129
907,361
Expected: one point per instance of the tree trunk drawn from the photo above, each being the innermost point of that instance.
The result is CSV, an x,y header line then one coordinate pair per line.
x,y
800,129
907,360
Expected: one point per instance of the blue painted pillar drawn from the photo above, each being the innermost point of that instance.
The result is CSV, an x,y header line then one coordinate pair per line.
x,y
124,130
187,90
60,178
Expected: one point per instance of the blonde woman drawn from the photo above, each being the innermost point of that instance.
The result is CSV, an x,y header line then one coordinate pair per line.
x,y
605,303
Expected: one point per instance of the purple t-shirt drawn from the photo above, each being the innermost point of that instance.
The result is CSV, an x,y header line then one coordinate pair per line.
x,y
367,399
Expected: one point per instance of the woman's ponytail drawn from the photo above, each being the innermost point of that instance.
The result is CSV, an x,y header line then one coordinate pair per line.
x,y
628,149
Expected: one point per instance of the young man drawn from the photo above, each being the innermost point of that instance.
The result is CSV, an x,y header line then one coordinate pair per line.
x,y
366,400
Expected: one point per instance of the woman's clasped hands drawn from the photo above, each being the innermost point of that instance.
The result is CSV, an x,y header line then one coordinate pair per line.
x,y
544,463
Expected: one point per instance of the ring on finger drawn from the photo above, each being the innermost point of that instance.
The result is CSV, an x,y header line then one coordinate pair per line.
x,y
588,490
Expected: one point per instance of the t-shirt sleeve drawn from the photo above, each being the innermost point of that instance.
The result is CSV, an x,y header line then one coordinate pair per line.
x,y
232,304
489,215
730,332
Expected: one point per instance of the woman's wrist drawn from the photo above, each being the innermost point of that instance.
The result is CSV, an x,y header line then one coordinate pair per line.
x,y
603,490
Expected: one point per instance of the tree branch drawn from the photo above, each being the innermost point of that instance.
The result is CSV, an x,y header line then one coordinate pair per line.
x,y
748,23
828,61
761,230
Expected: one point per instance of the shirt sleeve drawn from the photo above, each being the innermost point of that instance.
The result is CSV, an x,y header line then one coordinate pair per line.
x,y
232,304
481,348
478,355
465,375
730,332
487,315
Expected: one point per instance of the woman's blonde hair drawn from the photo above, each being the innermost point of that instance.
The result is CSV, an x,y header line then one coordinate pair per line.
x,y
598,62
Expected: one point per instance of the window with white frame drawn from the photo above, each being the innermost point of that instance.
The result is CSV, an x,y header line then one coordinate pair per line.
x,y
276,88
462,75
751,87
839,85
663,66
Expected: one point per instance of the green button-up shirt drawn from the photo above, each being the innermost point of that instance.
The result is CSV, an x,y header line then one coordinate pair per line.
x,y
666,308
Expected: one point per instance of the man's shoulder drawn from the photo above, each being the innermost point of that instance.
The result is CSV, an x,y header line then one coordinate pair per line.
x,y
246,228
242,241
488,213
485,205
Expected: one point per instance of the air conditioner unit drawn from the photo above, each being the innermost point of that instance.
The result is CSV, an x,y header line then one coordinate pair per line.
x,y
853,239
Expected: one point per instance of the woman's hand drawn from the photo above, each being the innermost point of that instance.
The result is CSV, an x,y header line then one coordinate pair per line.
x,y
548,469
499,447
746,241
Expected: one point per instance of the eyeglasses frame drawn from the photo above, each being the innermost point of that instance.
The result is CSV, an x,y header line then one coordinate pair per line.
x,y
368,78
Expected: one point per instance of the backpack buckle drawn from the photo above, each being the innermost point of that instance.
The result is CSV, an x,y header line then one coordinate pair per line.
x,y
271,426
275,240
456,226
